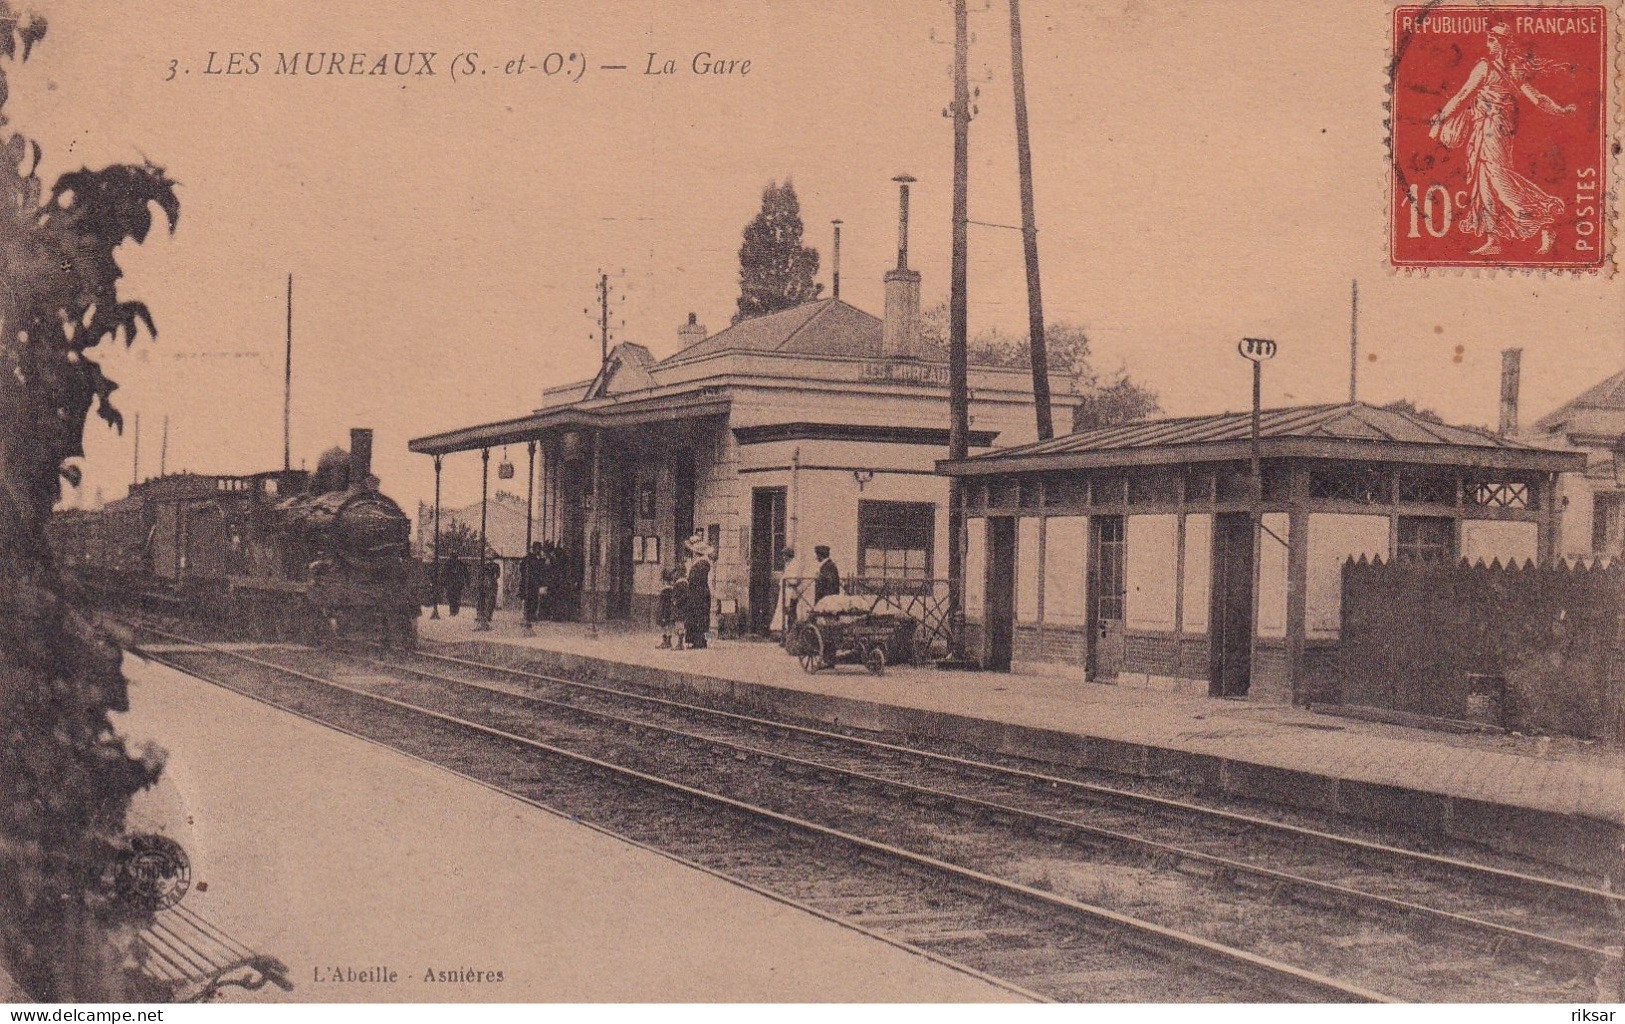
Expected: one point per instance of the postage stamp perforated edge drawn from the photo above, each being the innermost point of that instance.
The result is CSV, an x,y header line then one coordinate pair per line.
x,y
1613,127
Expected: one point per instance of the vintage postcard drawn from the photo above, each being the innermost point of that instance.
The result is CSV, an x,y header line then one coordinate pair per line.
x,y
718,502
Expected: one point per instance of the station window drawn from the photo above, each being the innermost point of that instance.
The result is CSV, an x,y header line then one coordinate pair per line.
x,y
1605,524
895,539
1426,539
1110,557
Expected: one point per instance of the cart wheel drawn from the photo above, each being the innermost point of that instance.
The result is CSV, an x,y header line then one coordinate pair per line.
x,y
875,660
810,649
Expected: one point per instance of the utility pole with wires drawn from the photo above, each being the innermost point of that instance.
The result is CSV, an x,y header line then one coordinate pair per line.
x,y
1039,352
1354,341
601,319
958,356
287,386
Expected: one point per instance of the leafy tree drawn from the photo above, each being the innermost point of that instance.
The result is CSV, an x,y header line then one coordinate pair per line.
x,y
1119,400
775,270
459,540
65,777
1107,399
1406,405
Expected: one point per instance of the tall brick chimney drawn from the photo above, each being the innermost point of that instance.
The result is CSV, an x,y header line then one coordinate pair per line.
x,y
1511,358
900,328
360,457
690,332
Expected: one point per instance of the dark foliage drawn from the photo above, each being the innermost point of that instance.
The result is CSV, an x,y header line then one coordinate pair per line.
x,y
775,270
1406,405
65,776
1107,398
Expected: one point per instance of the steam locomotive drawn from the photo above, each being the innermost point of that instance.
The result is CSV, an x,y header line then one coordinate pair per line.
x,y
286,554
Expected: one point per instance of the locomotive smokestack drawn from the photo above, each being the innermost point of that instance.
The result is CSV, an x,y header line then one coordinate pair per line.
x,y
360,457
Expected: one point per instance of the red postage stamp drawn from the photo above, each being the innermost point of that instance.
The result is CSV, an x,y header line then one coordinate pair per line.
x,y
1500,137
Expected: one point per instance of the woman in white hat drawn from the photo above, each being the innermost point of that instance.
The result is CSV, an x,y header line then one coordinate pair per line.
x,y
697,613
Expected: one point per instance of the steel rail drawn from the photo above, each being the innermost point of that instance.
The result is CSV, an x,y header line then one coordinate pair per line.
x,y
777,897
1544,887
1285,979
1346,895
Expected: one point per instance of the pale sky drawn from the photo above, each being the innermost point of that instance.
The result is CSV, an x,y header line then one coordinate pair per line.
x,y
1204,171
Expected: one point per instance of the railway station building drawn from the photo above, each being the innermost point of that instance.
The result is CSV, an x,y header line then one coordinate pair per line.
x,y
815,425
1592,497
1128,553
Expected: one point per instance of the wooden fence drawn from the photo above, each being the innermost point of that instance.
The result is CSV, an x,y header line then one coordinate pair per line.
x,y
1533,648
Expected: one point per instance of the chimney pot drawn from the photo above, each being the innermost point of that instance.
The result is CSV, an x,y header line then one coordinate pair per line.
x,y
900,326
691,332
1511,364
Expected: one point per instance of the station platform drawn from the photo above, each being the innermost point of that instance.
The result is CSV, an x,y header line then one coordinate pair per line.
x,y
1553,798
380,878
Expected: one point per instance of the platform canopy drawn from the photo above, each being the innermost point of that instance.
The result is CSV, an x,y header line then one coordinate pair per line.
x,y
600,414
1350,431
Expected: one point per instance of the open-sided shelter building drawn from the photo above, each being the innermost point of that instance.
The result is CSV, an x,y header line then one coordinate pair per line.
x,y
1129,553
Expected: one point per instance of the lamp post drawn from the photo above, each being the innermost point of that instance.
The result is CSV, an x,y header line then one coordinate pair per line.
x,y
485,490
1256,351
435,583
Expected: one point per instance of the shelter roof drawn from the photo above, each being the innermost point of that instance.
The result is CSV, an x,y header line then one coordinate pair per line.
x,y
1346,430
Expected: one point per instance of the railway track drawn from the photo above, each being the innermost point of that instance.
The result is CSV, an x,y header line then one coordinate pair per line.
x,y
733,817
1494,919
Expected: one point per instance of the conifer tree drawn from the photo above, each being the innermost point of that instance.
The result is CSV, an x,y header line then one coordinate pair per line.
x,y
775,270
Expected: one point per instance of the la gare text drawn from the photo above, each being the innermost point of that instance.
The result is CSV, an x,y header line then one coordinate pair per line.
x,y
403,63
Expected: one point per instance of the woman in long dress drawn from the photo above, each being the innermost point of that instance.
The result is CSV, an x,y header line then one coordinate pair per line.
x,y
697,610
1501,203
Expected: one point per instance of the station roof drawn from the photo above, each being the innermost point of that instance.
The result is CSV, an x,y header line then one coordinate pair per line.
x,y
1610,395
824,327
1343,431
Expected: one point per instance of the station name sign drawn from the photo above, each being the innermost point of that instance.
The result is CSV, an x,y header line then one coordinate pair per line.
x,y
897,371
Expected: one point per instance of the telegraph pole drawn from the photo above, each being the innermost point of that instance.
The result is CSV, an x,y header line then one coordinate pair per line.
x,y
163,449
1039,352
287,387
135,468
958,359
603,319
1354,341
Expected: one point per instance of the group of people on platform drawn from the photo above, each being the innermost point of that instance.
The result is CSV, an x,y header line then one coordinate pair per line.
x,y
685,600
543,582
685,597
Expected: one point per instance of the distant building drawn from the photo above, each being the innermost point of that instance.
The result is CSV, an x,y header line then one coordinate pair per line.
x,y
1128,553
504,525
1591,499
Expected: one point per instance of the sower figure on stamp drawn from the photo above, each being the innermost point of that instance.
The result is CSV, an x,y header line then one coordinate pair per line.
x,y
697,603
1501,203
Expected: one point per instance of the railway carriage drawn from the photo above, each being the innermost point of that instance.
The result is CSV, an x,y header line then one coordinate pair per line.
x,y
273,555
